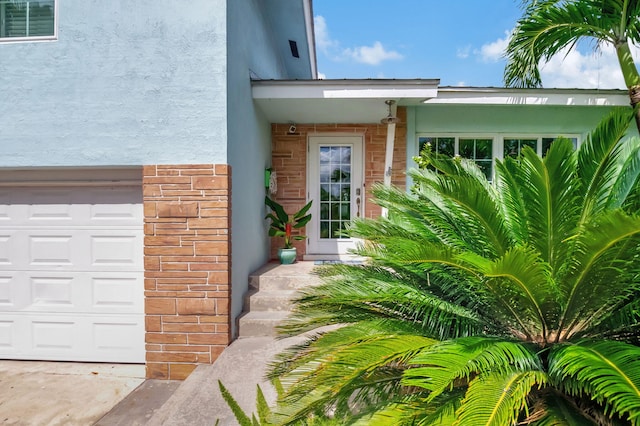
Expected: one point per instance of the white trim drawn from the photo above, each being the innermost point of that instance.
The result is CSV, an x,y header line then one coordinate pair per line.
x,y
507,96
311,39
337,246
345,89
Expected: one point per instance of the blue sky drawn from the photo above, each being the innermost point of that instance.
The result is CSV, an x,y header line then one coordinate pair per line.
x,y
458,41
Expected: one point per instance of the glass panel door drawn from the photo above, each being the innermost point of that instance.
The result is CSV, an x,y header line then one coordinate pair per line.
x,y
335,185
335,190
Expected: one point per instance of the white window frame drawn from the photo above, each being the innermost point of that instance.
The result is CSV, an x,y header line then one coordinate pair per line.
x,y
498,141
37,38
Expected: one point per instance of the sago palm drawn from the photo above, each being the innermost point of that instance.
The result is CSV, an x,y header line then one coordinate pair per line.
x,y
513,302
548,27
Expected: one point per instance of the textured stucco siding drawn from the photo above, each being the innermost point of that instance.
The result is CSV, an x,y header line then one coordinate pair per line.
x,y
252,51
127,82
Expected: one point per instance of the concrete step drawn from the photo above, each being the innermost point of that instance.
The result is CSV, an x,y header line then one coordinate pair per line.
x,y
285,277
253,324
264,300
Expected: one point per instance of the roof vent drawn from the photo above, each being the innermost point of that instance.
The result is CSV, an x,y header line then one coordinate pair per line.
x,y
294,49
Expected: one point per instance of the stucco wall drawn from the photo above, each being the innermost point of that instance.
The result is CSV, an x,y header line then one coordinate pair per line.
x,y
251,51
507,118
127,82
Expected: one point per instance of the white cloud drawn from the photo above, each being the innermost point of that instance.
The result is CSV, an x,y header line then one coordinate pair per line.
x,y
494,51
463,52
323,41
585,70
322,76
569,68
371,55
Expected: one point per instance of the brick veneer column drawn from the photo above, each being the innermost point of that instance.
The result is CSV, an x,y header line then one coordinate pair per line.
x,y
187,266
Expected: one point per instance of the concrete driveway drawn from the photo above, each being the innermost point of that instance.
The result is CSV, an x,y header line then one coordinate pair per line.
x,y
63,393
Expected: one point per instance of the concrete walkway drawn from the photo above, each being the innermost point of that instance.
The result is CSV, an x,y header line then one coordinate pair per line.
x,y
63,393
240,367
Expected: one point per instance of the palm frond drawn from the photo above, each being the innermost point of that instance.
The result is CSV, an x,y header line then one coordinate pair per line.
x,y
550,194
627,177
598,282
370,292
521,279
598,162
548,28
498,399
364,371
606,371
439,368
471,201
558,411
622,323
412,410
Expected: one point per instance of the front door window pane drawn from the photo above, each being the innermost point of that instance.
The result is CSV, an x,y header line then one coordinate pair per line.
x,y
335,190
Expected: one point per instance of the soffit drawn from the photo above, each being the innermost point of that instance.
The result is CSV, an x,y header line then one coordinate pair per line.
x,y
362,101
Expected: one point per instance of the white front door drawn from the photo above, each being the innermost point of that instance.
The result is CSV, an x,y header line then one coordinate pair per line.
x,y
335,186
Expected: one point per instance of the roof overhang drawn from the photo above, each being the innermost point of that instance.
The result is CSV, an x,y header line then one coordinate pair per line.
x,y
292,21
337,101
362,101
505,96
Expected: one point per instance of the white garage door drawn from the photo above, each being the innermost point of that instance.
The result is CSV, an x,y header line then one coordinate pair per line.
x,y
71,273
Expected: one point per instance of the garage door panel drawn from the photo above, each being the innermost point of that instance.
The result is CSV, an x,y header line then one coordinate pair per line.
x,y
121,206
7,336
118,250
6,293
71,273
71,249
62,338
117,293
64,292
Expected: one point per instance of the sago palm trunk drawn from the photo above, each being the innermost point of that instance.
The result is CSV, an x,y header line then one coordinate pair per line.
x,y
631,76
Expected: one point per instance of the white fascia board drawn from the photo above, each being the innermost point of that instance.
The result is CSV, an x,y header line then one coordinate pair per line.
x,y
561,97
311,40
324,89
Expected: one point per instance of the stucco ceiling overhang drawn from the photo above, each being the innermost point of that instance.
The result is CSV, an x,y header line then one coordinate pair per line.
x,y
362,101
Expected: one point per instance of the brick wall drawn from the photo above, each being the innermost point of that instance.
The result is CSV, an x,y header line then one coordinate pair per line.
x,y
187,266
289,160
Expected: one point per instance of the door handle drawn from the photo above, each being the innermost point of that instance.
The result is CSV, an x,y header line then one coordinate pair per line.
x,y
358,204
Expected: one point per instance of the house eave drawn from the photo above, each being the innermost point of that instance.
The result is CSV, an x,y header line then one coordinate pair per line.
x,y
362,101
337,101
511,96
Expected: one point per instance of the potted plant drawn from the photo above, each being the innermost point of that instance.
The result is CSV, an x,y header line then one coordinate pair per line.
x,y
282,225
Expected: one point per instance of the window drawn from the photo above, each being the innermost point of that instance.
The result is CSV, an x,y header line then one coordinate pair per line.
x,y
484,149
513,146
480,151
547,141
27,20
